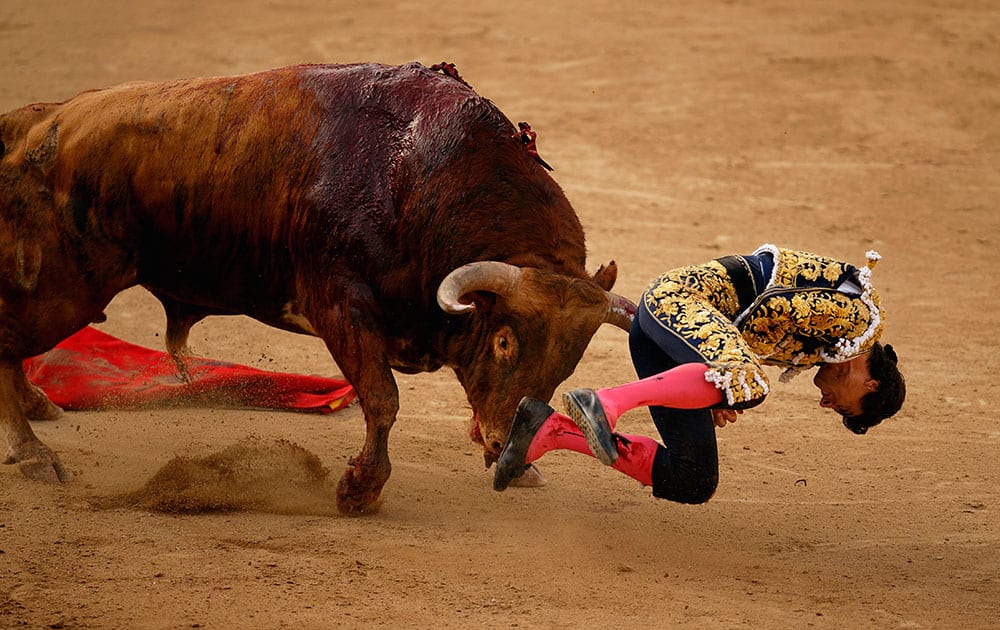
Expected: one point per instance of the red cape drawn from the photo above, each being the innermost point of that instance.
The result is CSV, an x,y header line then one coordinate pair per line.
x,y
93,370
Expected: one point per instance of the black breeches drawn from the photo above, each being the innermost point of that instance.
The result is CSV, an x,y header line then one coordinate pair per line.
x,y
686,467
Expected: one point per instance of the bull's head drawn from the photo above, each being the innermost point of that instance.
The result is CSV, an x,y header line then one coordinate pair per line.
x,y
526,332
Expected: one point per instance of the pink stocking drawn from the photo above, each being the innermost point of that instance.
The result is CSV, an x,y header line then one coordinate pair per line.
x,y
635,457
682,387
557,432
635,452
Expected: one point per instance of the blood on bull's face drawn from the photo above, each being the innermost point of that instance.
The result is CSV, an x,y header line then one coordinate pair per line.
x,y
523,332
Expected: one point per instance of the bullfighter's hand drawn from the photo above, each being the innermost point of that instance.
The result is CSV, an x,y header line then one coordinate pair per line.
x,y
721,417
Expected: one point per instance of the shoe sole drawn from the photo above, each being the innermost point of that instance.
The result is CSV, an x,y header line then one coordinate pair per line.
x,y
593,440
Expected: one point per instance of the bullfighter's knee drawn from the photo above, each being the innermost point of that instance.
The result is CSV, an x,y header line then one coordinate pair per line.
x,y
684,480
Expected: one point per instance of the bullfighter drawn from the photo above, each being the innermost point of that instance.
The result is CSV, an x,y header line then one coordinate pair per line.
x,y
700,339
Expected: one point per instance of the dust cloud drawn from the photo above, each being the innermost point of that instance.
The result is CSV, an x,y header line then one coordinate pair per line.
x,y
276,477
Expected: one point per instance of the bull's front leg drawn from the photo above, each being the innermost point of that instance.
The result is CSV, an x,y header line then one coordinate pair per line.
x,y
361,485
360,351
33,401
36,460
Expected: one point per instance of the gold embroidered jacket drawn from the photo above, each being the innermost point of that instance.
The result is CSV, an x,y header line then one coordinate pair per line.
x,y
811,310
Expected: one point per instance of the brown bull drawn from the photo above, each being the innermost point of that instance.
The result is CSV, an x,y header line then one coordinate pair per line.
x,y
390,211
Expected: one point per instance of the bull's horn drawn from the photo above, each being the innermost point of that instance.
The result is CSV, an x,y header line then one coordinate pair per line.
x,y
490,275
621,311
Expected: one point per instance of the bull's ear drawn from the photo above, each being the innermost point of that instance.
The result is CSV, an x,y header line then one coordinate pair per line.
x,y
605,276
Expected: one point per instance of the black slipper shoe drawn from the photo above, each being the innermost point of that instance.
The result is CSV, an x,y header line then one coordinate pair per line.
x,y
531,414
588,414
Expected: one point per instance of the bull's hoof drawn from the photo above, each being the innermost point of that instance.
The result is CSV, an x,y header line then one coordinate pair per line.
x,y
41,464
355,498
49,472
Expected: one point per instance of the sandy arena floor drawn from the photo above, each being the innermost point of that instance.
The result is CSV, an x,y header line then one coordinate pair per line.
x,y
681,131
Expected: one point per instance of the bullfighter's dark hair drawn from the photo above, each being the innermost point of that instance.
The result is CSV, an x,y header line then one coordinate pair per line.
x,y
887,399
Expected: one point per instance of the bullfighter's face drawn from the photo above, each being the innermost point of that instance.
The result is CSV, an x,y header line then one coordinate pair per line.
x,y
843,385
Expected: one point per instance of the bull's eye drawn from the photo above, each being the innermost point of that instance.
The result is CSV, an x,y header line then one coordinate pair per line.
x,y
503,346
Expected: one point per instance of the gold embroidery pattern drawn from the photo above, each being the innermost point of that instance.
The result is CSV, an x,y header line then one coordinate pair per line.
x,y
699,304
796,322
797,269
800,327
709,281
